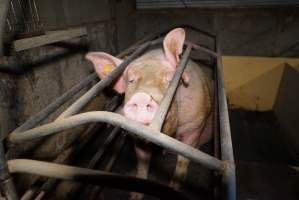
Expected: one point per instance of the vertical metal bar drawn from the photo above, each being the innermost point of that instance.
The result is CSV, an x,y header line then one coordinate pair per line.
x,y
32,16
36,11
23,15
227,155
6,182
98,155
96,190
158,120
3,14
13,11
8,23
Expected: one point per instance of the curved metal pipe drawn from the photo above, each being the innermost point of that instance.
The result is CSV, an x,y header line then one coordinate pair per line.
x,y
118,120
90,176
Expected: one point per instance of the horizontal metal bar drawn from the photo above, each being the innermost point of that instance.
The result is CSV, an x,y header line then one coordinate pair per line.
x,y
131,126
213,4
82,101
90,176
56,36
159,118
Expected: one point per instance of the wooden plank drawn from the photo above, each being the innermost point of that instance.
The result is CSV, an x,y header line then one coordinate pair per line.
x,y
51,37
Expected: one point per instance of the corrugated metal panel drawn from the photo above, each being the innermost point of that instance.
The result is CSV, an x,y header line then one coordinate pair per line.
x,y
153,4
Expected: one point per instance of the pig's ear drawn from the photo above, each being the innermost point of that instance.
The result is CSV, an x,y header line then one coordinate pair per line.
x,y
103,64
173,45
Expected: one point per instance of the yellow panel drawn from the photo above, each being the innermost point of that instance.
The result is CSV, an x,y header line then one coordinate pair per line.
x,y
252,82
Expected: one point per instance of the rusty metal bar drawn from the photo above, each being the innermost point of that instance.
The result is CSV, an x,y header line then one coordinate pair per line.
x,y
131,126
227,154
159,118
90,176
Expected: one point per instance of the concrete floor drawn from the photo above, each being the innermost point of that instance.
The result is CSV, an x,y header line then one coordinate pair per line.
x,y
262,157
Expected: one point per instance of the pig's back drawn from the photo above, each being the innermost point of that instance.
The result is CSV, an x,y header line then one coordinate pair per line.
x,y
195,100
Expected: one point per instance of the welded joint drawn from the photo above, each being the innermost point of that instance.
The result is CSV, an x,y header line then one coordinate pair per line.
x,y
227,165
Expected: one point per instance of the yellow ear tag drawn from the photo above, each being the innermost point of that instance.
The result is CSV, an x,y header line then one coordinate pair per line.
x,y
107,68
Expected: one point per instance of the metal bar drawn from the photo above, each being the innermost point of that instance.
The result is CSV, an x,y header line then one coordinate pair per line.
x,y
23,15
50,183
198,47
113,157
32,16
4,4
159,118
36,11
214,4
131,126
93,177
13,11
82,101
97,156
56,104
28,43
67,155
227,154
33,121
6,182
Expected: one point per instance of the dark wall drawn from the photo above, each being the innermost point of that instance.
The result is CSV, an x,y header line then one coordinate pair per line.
x,y
252,32
286,107
47,72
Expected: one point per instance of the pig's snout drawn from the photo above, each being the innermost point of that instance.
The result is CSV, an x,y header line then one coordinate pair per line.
x,y
141,107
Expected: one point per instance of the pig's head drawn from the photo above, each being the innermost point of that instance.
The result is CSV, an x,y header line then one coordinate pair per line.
x,y
145,80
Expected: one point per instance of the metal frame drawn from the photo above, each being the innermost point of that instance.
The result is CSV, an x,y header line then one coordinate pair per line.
x,y
69,119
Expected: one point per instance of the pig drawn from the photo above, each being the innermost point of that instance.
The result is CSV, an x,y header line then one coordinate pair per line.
x,y
144,83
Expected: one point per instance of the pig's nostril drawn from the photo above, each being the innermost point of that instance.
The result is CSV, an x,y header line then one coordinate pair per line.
x,y
134,106
149,107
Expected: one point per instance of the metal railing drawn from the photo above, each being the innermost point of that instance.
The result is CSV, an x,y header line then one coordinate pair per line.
x,y
69,119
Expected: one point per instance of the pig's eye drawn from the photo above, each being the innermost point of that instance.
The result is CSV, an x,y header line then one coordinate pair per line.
x,y
131,80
